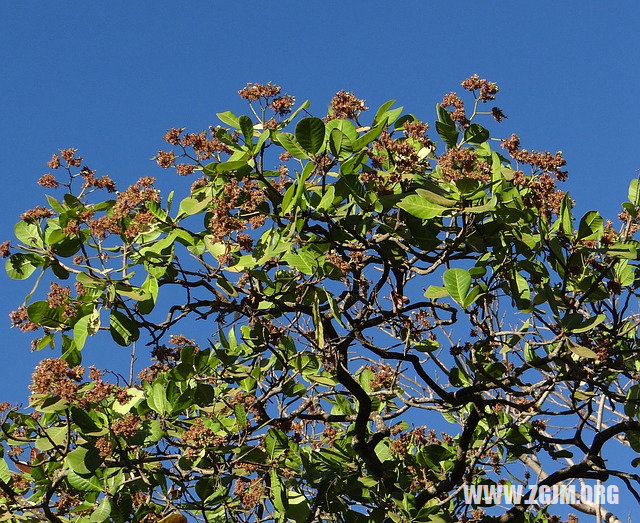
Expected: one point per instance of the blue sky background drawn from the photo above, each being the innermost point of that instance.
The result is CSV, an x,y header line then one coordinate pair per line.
x,y
109,78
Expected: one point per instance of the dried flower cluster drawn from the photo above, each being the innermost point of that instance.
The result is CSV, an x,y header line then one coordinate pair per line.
x,y
345,105
54,376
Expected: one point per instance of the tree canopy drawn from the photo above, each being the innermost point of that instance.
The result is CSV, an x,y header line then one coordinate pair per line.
x,y
350,316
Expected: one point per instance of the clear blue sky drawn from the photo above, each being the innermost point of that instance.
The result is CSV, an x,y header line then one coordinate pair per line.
x,y
110,77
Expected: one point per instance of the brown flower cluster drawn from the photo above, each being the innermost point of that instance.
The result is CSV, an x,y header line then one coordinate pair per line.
x,y
66,502
250,403
59,296
36,214
345,105
104,447
69,156
90,180
172,136
416,437
150,373
20,319
205,147
544,161
497,114
165,159
54,376
542,192
246,197
342,264
198,437
54,163
254,92
283,104
417,130
250,493
48,180
100,390
127,426
5,249
463,163
402,153
458,114
129,204
383,376
487,89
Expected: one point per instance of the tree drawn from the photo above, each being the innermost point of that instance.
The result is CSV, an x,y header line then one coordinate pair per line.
x,y
329,294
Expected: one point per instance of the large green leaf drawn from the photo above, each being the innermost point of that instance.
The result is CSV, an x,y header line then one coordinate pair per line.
x,y
310,134
123,330
290,143
20,266
102,511
634,192
421,207
591,226
457,282
476,134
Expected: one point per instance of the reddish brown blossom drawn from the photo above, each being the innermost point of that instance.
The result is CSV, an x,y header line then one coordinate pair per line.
x,y
487,89
283,104
36,213
104,447
5,249
497,114
54,376
58,295
183,169
172,136
254,92
544,161
458,115
165,159
463,163
69,156
48,180
54,163
346,105
126,426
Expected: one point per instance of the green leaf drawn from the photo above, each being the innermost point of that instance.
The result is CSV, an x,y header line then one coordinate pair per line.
x,y
289,142
444,116
39,312
421,207
275,443
581,351
476,134
434,291
123,330
157,398
457,282
27,233
229,118
20,266
334,308
246,126
577,324
86,326
634,192
310,134
436,198
591,226
83,460
85,485
381,111
102,512
327,199
5,474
